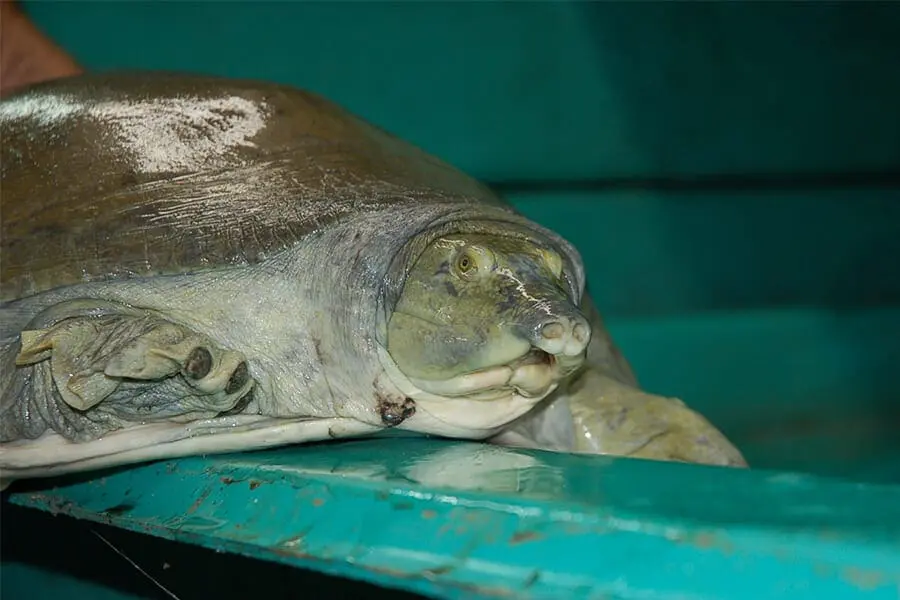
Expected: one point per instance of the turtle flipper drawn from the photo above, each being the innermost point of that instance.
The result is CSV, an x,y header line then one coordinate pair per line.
x,y
83,372
597,414
614,418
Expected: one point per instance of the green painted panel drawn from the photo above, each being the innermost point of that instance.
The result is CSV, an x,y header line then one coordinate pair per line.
x,y
513,90
681,252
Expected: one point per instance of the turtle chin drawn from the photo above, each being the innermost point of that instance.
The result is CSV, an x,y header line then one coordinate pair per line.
x,y
479,403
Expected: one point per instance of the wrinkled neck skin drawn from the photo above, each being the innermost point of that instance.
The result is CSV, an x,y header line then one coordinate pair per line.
x,y
312,320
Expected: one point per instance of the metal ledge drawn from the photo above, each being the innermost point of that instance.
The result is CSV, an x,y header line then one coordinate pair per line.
x,y
453,520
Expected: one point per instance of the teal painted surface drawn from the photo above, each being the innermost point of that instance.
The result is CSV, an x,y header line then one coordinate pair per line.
x,y
650,253
768,303
563,90
463,520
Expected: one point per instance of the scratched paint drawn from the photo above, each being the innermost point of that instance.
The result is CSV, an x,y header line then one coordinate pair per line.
x,y
515,523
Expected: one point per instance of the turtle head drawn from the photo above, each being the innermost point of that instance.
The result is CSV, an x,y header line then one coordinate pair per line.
x,y
486,318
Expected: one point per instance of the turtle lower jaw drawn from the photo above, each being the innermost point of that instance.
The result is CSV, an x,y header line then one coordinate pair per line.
x,y
531,376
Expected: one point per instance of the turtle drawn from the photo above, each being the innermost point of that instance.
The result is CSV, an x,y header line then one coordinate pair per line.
x,y
197,264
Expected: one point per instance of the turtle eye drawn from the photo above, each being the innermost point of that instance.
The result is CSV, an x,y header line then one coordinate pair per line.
x,y
465,263
465,266
472,260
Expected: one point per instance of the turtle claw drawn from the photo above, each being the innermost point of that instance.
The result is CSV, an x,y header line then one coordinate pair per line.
x,y
141,365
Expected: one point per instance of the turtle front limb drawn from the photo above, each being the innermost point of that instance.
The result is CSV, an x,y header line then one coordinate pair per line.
x,y
613,418
94,371
600,415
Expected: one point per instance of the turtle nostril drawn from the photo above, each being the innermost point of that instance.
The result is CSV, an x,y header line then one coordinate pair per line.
x,y
580,333
552,331
238,378
198,363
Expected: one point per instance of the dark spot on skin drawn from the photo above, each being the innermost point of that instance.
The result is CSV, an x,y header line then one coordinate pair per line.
x,y
238,379
129,179
239,406
317,345
49,231
450,289
618,420
198,363
119,509
443,269
255,483
394,413
229,113
509,303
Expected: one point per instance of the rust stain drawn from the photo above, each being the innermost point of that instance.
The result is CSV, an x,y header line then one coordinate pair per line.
x,y
428,514
318,501
522,537
255,483
118,509
865,580
705,540
296,552
437,571
227,480
199,501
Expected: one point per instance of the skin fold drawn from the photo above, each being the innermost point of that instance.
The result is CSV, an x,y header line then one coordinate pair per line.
x,y
201,265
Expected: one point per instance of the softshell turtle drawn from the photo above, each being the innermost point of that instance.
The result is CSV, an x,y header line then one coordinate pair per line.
x,y
201,265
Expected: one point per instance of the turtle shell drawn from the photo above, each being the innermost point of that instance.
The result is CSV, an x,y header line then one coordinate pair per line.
x,y
128,175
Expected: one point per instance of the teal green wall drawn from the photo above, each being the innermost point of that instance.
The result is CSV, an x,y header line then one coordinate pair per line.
x,y
512,90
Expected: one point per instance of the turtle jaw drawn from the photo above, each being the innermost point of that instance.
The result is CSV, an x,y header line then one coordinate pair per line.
x,y
532,375
477,404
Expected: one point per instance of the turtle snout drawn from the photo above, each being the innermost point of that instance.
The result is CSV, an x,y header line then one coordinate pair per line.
x,y
566,335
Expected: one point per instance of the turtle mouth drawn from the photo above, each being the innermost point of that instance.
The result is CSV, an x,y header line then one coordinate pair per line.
x,y
533,375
